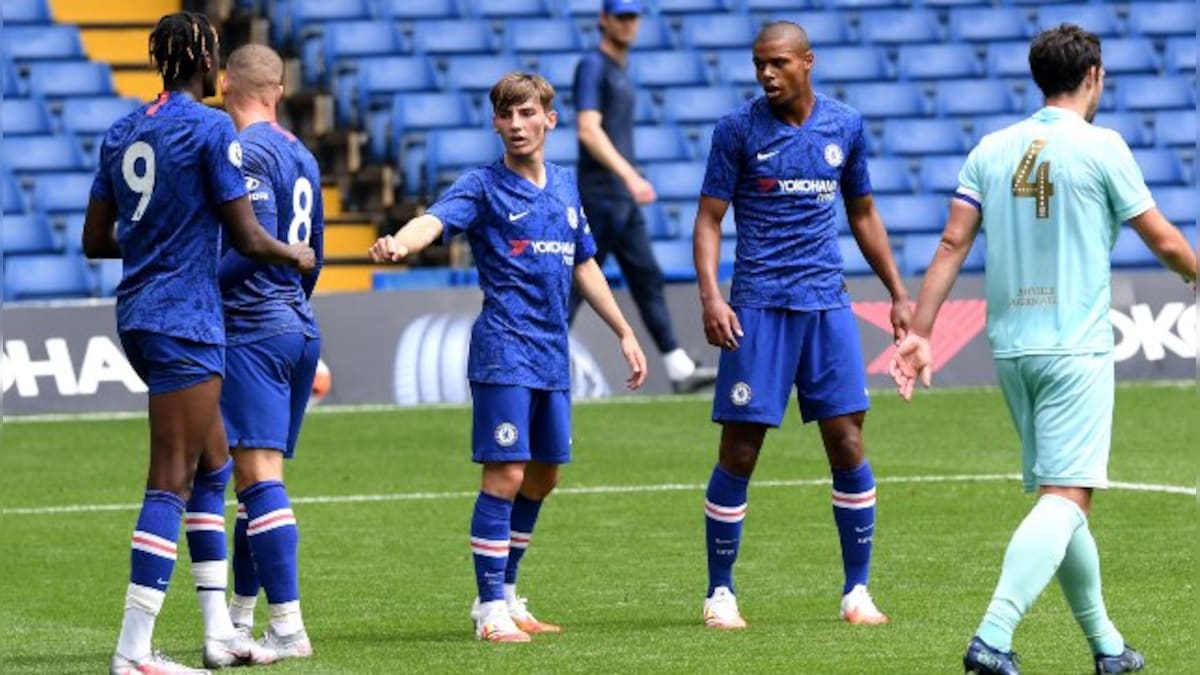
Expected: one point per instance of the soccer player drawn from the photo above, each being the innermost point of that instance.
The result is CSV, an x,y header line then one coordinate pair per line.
x,y
782,159
273,347
1051,192
531,240
169,176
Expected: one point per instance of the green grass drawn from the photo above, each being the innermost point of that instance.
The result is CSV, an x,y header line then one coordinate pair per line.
x,y
387,584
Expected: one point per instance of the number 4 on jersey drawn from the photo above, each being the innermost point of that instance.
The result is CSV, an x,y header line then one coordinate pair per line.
x,y
1041,189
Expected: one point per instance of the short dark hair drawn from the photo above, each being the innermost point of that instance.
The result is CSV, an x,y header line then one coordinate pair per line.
x,y
515,88
179,42
1060,57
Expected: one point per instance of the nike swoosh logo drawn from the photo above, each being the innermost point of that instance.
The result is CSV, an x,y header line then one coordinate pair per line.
x,y
860,530
764,156
162,582
514,217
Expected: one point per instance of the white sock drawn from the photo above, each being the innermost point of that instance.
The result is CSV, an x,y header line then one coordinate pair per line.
x,y
285,618
510,593
241,610
678,364
142,605
213,574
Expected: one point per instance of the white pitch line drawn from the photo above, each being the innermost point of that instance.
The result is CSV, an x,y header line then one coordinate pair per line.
x,y
594,490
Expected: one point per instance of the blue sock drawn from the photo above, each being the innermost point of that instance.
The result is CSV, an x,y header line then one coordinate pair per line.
x,y
524,517
724,511
273,538
154,538
245,579
854,513
490,525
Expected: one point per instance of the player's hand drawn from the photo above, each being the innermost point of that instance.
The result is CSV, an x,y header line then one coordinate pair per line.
x,y
636,360
901,316
913,359
387,249
721,325
304,259
641,189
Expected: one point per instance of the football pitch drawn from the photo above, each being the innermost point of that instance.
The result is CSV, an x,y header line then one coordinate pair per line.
x,y
383,500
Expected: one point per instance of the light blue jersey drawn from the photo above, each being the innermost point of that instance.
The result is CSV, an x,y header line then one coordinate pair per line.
x,y
1053,191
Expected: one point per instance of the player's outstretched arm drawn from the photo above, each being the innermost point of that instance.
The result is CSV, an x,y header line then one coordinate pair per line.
x,y
1167,242
99,230
721,326
594,288
867,227
253,241
412,238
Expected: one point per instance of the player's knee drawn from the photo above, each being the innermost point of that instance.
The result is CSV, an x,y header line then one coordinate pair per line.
x,y
503,479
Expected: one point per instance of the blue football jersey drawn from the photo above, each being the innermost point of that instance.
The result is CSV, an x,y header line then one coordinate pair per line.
x,y
526,242
167,166
284,182
783,182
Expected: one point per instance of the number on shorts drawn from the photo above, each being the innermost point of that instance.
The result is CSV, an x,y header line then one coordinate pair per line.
x,y
141,183
1041,189
300,229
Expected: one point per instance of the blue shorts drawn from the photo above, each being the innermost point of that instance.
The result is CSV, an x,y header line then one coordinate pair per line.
x,y
818,352
517,424
1062,407
267,386
167,363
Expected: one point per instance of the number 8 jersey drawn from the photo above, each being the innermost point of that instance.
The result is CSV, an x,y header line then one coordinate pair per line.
x,y
167,167
284,182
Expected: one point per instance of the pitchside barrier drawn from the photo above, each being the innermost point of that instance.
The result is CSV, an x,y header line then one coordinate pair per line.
x,y
410,348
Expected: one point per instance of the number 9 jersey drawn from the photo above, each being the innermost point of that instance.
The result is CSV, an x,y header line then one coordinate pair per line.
x,y
167,167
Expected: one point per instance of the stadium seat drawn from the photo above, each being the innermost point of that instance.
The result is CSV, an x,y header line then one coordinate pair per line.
x,y
348,41
645,110
1099,19
478,73
867,4
28,154
686,105
936,62
11,84
62,192
702,137
562,146
691,6
682,215
939,173
24,116
660,144
1129,251
913,213
55,79
1163,18
853,261
717,31
925,136
900,26
559,70
46,276
919,249
1008,59
1160,166
378,80
1131,55
990,24
94,115
976,97
675,259
884,100
26,11
668,69
654,34
823,28
1175,128
51,41
407,10
542,35
846,64
14,199
1178,204
108,276
736,67
429,110
290,25
25,234
490,9
464,36
1181,55
1131,127
986,124
450,151
676,180
1154,93
890,175
658,226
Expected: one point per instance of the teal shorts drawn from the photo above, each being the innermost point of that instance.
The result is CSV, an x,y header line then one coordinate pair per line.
x,y
1062,407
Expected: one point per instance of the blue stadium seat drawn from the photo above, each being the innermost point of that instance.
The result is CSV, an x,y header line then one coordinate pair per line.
x,y
936,62
108,276
1008,59
986,124
854,263
559,70
1175,128
954,3
657,224
823,28
990,24
1154,93
846,64
56,79
1131,55
62,192
378,80
883,100
562,146
645,110
976,97
24,116
510,8
27,233
478,73
702,136
450,151
1163,18
51,41
686,105
890,175
346,41
1160,166
1099,19
770,6
664,69
660,144
919,249
542,35
47,276
913,213
14,199
407,10
1178,204
431,110
676,180
654,34
675,259
682,216
291,21
26,11
736,67
868,4
901,26
94,115
1131,126
1130,251
924,137
717,31
28,154
465,36
11,84
939,173
1181,55
691,6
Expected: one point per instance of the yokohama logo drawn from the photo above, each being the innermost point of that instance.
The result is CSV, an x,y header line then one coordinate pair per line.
x,y
793,185
959,322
